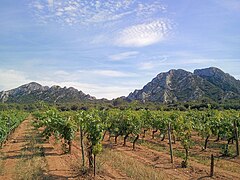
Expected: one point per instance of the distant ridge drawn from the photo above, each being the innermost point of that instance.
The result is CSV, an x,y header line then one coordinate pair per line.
x,y
34,92
181,86
176,85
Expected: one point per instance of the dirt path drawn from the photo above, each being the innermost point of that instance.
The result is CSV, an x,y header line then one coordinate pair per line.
x,y
67,166
13,148
17,149
26,155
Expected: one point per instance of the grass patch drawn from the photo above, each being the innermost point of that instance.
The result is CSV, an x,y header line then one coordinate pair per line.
x,y
200,159
1,163
151,145
179,153
129,166
32,163
176,152
222,163
226,165
163,148
33,168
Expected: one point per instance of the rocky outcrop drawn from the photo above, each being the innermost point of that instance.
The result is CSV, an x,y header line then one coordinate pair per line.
x,y
180,85
34,92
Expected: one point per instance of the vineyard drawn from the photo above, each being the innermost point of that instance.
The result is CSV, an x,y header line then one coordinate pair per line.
x,y
133,125
184,140
9,121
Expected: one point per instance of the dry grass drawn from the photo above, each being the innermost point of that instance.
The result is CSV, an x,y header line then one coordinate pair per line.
x,y
227,165
223,163
1,164
32,163
129,166
30,169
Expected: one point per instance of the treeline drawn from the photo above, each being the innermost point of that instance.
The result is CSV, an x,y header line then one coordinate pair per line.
x,y
122,104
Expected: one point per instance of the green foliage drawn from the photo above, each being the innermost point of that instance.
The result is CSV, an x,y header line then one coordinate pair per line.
x,y
131,123
9,120
93,127
54,123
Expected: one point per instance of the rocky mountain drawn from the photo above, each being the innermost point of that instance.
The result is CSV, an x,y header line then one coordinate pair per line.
x,y
33,92
172,86
219,79
180,85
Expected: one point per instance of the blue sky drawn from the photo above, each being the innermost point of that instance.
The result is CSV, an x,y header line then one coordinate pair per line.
x,y
108,48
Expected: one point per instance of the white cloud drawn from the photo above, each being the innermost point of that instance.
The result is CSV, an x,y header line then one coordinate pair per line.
x,y
124,55
93,82
88,12
154,62
113,73
50,2
146,65
166,61
148,9
59,13
93,75
143,34
38,6
99,39
70,8
76,79
10,79
96,90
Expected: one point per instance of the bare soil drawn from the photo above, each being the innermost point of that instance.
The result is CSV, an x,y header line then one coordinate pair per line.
x,y
58,165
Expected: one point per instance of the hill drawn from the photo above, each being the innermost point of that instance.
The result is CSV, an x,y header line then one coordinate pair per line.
x,y
180,85
33,92
176,85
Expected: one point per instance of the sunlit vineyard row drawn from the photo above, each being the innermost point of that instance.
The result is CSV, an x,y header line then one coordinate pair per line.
x,y
95,124
9,120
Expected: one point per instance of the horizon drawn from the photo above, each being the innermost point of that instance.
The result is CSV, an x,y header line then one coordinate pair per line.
x,y
110,48
102,97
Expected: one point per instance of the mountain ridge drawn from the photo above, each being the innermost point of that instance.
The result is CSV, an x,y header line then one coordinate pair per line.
x,y
175,85
33,92
180,85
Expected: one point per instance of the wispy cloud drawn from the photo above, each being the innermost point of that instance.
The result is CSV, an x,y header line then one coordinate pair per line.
x,y
163,61
38,6
87,12
229,4
124,55
112,73
13,80
50,2
152,63
147,65
94,82
76,79
144,34
97,90
127,23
